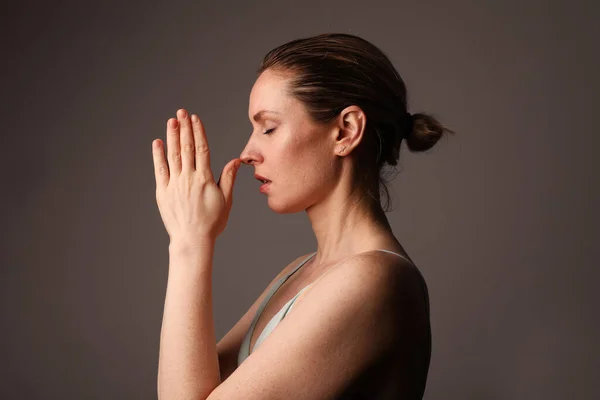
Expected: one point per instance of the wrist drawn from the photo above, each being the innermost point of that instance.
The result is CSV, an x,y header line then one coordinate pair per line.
x,y
182,246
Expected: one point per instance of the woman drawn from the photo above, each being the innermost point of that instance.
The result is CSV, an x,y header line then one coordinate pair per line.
x,y
329,112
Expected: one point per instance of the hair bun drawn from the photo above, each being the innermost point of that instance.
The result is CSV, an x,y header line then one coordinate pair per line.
x,y
425,131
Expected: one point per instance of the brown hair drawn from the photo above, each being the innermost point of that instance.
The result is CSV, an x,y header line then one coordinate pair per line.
x,y
335,70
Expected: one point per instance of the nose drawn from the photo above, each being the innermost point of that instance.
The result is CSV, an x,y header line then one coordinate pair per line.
x,y
250,155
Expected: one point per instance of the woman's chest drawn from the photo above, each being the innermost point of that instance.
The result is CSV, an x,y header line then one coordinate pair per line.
x,y
274,312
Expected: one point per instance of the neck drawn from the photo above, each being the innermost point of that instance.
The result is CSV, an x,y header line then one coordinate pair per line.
x,y
348,221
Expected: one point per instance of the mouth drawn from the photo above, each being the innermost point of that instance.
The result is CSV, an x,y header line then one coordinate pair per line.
x,y
262,179
264,188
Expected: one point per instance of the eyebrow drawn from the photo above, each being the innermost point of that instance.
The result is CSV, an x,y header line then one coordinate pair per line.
x,y
259,114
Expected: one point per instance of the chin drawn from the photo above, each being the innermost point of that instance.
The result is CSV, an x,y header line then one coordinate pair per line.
x,y
285,207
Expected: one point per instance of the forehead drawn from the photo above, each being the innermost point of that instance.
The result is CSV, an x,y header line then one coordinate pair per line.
x,y
269,93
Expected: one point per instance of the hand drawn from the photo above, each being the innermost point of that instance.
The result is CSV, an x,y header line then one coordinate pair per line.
x,y
192,206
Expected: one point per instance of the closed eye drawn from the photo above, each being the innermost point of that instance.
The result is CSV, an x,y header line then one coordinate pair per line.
x,y
269,131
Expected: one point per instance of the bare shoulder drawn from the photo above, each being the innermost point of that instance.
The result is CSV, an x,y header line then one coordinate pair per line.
x,y
397,274
376,270
388,270
384,280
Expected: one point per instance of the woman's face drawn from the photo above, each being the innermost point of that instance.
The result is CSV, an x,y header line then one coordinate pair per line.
x,y
287,148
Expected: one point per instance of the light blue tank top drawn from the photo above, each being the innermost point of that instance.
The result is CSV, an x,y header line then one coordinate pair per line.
x,y
277,318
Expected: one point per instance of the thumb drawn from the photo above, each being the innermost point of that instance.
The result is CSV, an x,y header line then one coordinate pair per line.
x,y
228,178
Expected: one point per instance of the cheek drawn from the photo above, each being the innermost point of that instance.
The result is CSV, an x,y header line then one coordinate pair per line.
x,y
303,158
302,162
311,171
304,176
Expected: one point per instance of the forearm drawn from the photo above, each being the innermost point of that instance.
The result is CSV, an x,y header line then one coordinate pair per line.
x,y
188,366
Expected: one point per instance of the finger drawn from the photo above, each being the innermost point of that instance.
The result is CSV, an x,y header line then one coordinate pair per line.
x,y
161,170
202,152
227,179
186,141
173,147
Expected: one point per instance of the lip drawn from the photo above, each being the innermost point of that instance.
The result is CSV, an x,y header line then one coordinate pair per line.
x,y
261,178
264,188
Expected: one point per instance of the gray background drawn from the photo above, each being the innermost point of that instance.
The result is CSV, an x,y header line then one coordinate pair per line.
x,y
501,219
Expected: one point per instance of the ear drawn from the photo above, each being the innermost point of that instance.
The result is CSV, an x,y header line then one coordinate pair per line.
x,y
350,129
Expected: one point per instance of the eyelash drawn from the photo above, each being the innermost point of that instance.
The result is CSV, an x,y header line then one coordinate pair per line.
x,y
268,131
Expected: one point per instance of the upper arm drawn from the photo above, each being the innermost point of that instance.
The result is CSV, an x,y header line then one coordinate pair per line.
x,y
229,345
341,325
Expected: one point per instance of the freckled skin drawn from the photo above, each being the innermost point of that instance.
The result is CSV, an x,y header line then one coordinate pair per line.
x,y
298,156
